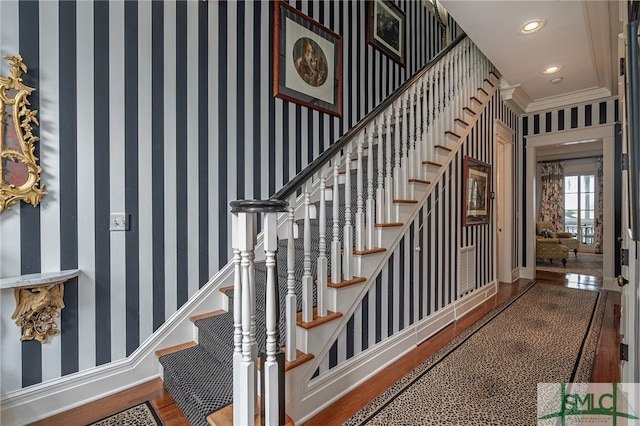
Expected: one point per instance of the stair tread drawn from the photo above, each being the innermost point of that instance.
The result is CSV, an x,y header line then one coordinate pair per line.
x,y
175,348
202,374
198,383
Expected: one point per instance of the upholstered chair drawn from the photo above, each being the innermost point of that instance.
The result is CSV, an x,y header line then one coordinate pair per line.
x,y
546,231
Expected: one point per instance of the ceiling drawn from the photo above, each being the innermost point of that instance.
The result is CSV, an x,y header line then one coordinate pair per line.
x,y
580,35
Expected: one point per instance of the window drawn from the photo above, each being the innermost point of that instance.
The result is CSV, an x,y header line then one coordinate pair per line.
x,y
579,206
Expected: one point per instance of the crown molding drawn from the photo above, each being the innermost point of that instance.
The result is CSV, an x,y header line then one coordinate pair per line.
x,y
514,96
581,97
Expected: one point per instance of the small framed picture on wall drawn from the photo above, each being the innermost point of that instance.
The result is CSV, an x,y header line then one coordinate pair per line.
x,y
307,61
386,27
476,191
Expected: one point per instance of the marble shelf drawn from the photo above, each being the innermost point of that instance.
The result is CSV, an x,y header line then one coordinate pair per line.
x,y
38,279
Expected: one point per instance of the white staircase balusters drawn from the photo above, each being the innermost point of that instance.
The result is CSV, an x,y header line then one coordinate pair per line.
x,y
431,87
322,247
270,365
360,216
467,74
336,258
416,147
347,235
418,119
307,279
251,290
245,390
397,136
371,198
388,172
237,318
237,299
291,299
446,108
404,143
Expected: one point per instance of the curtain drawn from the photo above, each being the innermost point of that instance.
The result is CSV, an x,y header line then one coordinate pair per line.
x,y
552,202
599,208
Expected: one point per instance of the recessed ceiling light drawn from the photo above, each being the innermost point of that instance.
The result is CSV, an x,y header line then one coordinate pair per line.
x,y
532,26
552,69
555,80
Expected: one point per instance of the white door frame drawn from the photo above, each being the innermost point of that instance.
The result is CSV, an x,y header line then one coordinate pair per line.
x,y
503,203
603,132
630,295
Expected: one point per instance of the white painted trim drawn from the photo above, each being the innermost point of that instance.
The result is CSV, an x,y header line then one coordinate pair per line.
x,y
51,397
558,102
326,389
503,202
515,96
436,322
474,299
606,134
611,284
515,274
527,273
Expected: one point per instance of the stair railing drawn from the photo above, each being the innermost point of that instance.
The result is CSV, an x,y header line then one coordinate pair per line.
x,y
395,144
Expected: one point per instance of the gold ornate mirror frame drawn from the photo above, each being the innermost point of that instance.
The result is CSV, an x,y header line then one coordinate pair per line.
x,y
19,169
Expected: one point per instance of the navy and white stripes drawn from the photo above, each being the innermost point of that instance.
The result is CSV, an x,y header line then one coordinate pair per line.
x,y
570,118
415,284
604,112
162,110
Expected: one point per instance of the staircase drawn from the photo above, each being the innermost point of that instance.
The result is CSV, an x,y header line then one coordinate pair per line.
x,y
341,217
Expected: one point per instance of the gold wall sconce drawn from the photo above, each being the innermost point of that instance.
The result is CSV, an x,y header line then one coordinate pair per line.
x,y
19,169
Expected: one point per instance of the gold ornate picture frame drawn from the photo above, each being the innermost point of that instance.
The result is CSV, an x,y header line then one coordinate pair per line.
x,y
19,169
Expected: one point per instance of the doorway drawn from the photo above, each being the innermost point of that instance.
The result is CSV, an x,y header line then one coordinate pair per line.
x,y
504,258
594,141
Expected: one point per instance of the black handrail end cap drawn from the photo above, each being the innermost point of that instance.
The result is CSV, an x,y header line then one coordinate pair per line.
x,y
259,206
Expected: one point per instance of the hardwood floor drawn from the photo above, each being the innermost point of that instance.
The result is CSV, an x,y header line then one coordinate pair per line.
x,y
606,365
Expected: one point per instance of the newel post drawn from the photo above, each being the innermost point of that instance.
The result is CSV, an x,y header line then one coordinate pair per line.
x,y
245,385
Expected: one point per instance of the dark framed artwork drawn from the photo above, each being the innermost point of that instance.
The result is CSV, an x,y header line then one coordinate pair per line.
x,y
307,61
476,191
386,28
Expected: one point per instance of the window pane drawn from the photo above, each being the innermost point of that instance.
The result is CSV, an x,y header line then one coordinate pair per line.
x,y
587,216
571,202
587,183
570,184
587,201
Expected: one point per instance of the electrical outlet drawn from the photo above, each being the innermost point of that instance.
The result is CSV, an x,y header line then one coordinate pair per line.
x,y
119,222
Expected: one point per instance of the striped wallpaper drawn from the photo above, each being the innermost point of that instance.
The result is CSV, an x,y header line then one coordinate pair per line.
x,y
549,122
162,110
413,285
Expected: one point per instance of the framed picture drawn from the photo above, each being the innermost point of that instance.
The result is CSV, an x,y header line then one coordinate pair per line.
x,y
307,61
476,191
386,29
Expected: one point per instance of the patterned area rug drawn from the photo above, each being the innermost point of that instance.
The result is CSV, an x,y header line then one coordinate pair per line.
x,y
138,415
583,263
488,375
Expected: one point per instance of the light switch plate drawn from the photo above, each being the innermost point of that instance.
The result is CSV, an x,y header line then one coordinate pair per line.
x,y
119,222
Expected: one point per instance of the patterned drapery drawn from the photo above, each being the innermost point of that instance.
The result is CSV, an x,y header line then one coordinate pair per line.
x,y
599,209
552,202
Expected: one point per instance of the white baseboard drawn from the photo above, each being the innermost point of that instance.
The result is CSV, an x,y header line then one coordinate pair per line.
x,y
472,300
37,402
515,274
325,390
611,284
527,273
